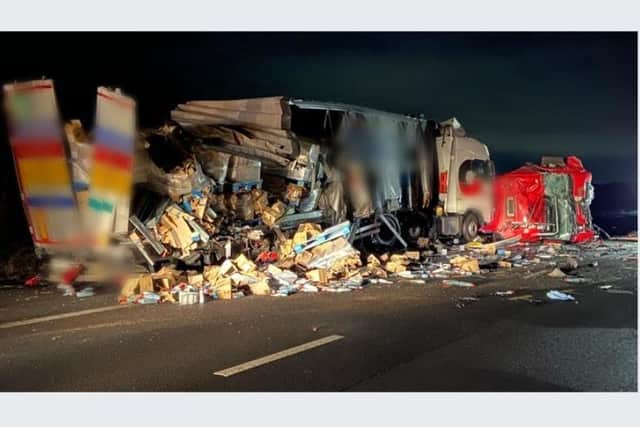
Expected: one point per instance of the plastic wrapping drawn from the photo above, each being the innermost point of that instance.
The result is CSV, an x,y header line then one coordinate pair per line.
x,y
328,254
219,204
176,184
259,200
81,160
244,207
359,194
214,163
310,202
331,200
81,152
242,169
379,146
302,167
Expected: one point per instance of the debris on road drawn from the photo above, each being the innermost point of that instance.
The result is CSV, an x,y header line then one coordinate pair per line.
x,y
559,296
85,292
526,297
465,301
504,293
226,201
458,283
536,274
575,280
465,264
569,265
33,281
631,237
557,273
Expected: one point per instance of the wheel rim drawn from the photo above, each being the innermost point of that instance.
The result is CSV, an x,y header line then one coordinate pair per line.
x,y
415,232
472,228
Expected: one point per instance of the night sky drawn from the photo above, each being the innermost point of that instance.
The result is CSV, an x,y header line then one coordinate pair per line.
x,y
523,94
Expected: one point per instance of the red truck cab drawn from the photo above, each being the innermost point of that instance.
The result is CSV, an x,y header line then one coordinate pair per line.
x,y
550,201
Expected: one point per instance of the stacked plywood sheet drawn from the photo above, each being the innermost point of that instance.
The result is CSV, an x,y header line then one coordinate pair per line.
x,y
270,113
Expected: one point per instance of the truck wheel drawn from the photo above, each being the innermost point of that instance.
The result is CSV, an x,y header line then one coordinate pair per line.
x,y
470,226
414,231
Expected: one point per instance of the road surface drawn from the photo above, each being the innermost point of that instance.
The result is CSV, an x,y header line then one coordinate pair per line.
x,y
400,337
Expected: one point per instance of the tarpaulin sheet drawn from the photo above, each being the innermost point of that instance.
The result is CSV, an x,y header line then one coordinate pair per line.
x,y
380,145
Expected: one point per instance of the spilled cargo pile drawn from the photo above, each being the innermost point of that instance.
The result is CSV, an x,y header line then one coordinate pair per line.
x,y
234,260
205,229
246,262
269,196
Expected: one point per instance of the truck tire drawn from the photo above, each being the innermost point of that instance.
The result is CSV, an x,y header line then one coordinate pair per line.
x,y
414,226
388,238
414,231
470,226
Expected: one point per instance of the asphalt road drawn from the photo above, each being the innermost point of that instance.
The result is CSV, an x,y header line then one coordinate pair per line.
x,y
400,337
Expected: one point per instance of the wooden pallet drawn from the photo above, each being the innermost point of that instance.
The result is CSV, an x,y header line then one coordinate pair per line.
x,y
238,187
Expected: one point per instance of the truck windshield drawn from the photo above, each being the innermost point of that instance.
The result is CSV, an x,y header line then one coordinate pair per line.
x,y
475,168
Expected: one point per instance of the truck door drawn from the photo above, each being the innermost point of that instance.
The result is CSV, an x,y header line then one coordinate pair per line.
x,y
470,179
444,148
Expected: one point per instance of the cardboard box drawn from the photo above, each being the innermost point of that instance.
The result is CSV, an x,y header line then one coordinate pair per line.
x,y
260,288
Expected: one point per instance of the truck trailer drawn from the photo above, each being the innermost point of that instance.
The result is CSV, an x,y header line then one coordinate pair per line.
x,y
397,177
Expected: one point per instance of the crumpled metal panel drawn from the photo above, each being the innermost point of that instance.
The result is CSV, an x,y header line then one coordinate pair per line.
x,y
557,187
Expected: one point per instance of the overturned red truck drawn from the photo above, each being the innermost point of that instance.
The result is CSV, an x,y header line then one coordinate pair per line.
x,y
547,201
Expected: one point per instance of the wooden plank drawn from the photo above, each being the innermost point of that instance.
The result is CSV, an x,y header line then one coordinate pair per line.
x,y
183,231
275,121
268,105
252,153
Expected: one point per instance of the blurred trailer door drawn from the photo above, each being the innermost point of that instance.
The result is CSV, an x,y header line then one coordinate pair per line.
x,y
112,171
41,164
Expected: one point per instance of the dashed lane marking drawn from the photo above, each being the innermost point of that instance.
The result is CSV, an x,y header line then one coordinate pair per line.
x,y
59,316
277,356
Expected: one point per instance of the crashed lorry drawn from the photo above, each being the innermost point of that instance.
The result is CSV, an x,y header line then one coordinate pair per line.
x,y
549,201
397,177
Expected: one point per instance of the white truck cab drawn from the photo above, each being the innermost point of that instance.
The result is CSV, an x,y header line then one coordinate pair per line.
x,y
465,172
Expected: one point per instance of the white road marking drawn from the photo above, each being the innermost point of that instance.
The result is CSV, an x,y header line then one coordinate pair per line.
x,y
276,356
58,316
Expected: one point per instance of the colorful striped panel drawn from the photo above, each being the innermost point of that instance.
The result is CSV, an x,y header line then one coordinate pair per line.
x,y
40,162
106,178
117,159
100,205
115,140
43,172
112,171
38,148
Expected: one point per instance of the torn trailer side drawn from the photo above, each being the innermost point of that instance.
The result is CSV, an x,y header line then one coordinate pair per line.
x,y
405,176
